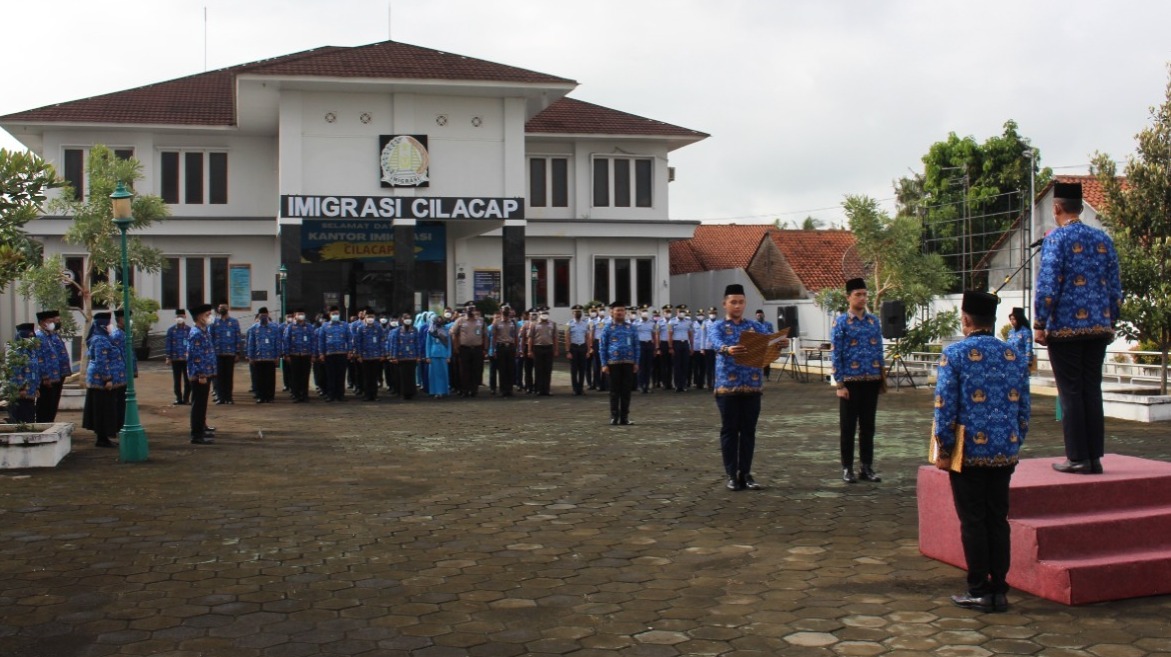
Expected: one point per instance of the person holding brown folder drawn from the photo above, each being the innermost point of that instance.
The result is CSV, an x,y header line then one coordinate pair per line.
x,y
981,411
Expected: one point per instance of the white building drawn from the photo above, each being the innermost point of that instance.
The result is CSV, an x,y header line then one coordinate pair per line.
x,y
385,175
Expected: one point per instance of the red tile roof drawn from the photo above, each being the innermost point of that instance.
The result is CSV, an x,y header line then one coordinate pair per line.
x,y
571,116
723,246
209,98
683,258
815,255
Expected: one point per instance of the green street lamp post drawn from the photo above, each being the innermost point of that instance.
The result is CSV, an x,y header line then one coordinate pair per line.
x,y
283,278
132,446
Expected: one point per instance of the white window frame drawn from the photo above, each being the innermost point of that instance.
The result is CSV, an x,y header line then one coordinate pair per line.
x,y
610,171
206,153
548,158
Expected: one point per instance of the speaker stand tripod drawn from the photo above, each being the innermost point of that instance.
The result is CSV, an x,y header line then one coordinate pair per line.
x,y
896,362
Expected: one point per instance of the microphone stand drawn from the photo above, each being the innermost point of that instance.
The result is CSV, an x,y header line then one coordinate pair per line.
x,y
1018,269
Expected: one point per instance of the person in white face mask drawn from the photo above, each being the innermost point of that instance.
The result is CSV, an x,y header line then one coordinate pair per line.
x,y
55,365
543,349
176,357
648,344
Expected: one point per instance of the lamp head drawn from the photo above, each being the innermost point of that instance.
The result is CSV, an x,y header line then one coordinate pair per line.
x,y
283,272
120,202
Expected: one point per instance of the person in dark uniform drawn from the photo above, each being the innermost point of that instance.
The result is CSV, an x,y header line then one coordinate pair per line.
x,y
1077,303
105,372
618,350
370,352
505,333
543,350
577,349
648,344
403,350
681,330
709,353
299,344
982,390
664,366
469,342
26,380
857,369
738,389
202,364
175,352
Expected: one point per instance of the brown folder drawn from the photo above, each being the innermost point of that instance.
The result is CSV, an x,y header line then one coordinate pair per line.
x,y
957,452
762,348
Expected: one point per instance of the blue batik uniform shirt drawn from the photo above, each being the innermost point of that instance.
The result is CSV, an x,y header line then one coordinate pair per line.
x,y
105,362
732,378
264,342
226,336
333,338
27,378
618,344
983,385
48,362
368,341
1022,340
201,354
1079,292
176,344
857,348
300,339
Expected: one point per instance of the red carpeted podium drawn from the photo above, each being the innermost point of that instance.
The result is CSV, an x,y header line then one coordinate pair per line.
x,y
1076,539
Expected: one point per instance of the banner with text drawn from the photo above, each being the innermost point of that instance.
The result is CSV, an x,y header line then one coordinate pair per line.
x,y
371,241
429,208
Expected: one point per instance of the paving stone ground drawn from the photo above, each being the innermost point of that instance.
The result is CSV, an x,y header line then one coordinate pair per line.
x,y
492,527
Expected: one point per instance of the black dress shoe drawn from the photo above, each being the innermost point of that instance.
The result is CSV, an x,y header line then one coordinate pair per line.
x,y
207,429
1000,603
1095,466
734,484
1073,467
105,442
848,476
202,440
178,402
614,421
750,484
982,603
625,421
868,474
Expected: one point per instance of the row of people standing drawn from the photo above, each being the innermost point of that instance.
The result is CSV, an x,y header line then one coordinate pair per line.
x,y
46,366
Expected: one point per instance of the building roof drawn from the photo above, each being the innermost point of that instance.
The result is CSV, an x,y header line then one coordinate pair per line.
x,y
209,99
718,246
1093,195
571,116
815,255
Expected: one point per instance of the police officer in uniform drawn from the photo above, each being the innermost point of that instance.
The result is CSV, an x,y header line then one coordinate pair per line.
x,y
648,344
698,347
709,355
982,390
543,349
505,334
664,368
469,342
1077,303
618,350
577,349
857,368
681,334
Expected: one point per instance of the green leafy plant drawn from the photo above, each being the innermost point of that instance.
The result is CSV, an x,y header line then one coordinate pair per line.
x,y
16,357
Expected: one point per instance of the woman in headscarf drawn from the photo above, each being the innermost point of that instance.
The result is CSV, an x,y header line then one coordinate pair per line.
x,y
438,353
1021,336
104,375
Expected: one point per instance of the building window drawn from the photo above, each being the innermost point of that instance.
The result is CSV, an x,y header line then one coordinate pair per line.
x,y
75,171
548,182
561,283
633,280
191,280
75,265
191,179
615,178
541,272
540,282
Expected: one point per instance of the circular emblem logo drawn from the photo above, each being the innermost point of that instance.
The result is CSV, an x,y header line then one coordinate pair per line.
x,y
404,162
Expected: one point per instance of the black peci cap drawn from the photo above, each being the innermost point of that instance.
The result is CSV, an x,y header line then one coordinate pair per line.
x,y
980,304
855,284
1067,191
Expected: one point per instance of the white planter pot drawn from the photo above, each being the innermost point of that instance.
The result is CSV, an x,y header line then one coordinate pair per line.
x,y
41,446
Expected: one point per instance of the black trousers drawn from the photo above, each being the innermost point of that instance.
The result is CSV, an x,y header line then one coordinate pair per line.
x,y
405,369
23,410
529,366
264,379
299,367
646,364
621,383
505,364
709,363
542,368
199,395
698,369
981,501
371,369
665,363
319,375
681,360
225,376
578,364
1077,368
179,378
738,416
335,376
471,368
856,414
390,374
48,401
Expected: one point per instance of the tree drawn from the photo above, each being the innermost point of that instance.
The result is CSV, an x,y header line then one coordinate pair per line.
x,y
969,194
24,180
1139,218
812,223
897,269
93,230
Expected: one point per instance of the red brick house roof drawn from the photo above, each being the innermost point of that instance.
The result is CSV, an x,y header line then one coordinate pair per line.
x,y
209,99
570,116
815,255
718,246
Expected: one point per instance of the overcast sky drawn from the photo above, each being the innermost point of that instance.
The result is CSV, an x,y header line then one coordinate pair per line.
x,y
805,102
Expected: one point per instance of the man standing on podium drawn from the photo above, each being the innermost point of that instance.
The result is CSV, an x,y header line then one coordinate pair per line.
x,y
982,393
1078,300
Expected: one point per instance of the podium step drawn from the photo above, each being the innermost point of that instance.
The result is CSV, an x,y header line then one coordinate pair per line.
x,y
1075,536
